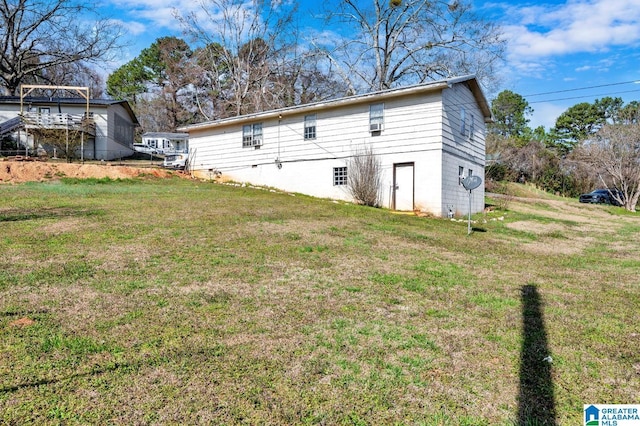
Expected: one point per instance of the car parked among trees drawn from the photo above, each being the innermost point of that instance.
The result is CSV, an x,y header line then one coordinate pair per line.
x,y
603,196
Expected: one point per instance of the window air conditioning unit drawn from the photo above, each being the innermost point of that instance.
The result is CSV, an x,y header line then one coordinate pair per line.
x,y
375,127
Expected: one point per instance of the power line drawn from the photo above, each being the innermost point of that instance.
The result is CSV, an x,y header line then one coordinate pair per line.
x,y
584,96
583,88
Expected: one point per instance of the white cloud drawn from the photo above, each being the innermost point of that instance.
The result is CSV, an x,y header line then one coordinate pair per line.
x,y
576,26
548,39
156,14
131,27
325,37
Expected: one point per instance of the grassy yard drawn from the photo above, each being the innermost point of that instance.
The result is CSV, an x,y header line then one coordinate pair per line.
x,y
181,302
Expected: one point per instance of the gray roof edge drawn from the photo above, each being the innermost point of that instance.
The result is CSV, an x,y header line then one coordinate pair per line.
x,y
70,101
167,135
55,100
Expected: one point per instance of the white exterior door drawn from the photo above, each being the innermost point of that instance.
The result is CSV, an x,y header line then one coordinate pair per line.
x,y
403,186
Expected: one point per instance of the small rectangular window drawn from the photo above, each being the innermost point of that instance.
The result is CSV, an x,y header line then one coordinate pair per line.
x,y
471,127
310,126
463,124
470,173
376,118
252,135
460,174
339,176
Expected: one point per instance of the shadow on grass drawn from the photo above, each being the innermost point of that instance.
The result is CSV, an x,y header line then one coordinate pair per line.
x,y
14,313
36,383
194,354
17,215
536,403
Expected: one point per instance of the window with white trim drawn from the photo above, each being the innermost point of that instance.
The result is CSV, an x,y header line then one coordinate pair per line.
x,y
252,135
460,174
310,126
472,126
376,118
463,124
339,176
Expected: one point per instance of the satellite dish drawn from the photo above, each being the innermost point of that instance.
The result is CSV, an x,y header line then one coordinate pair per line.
x,y
471,182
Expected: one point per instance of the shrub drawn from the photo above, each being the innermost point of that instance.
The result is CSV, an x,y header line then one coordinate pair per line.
x,y
365,177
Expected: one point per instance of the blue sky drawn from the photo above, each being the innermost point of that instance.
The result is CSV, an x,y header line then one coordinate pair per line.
x,y
559,52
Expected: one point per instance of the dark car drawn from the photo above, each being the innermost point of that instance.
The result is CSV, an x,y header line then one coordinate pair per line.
x,y
601,196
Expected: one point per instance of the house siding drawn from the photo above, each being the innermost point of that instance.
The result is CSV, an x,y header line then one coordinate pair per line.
x,y
461,151
418,129
107,144
118,133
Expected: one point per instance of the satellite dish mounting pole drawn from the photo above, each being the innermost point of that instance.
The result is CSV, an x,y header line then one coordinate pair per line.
x,y
470,183
469,219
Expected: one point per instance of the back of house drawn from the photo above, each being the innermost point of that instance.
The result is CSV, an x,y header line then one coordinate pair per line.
x,y
426,138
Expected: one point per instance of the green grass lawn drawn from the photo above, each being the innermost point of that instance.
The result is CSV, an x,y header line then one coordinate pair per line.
x,y
181,302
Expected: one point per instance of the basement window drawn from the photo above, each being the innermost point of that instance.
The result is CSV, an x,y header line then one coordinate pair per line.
x,y
339,176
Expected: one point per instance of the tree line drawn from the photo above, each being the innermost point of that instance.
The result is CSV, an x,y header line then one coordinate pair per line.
x,y
240,56
591,145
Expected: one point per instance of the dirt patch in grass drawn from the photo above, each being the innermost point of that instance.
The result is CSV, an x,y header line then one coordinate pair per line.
x,y
38,171
22,322
536,227
563,210
565,227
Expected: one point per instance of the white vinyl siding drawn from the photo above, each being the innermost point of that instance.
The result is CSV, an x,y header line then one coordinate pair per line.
x,y
462,152
422,128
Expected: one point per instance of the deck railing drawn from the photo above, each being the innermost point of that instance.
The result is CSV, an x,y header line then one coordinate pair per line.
x,y
34,120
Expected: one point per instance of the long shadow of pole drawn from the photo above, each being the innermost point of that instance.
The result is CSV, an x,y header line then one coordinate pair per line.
x,y
536,403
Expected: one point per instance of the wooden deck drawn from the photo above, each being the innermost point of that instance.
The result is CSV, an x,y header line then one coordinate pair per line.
x,y
75,122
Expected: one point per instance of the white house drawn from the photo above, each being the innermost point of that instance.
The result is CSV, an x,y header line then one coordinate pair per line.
x,y
167,142
109,124
426,136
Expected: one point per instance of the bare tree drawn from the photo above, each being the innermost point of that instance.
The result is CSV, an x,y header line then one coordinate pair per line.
x,y
75,74
412,41
614,153
247,43
364,177
525,161
38,35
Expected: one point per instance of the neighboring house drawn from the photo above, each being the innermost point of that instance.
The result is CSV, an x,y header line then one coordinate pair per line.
x,y
167,142
108,126
426,136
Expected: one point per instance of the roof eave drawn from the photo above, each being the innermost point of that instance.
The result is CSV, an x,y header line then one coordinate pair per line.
x,y
300,109
435,86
